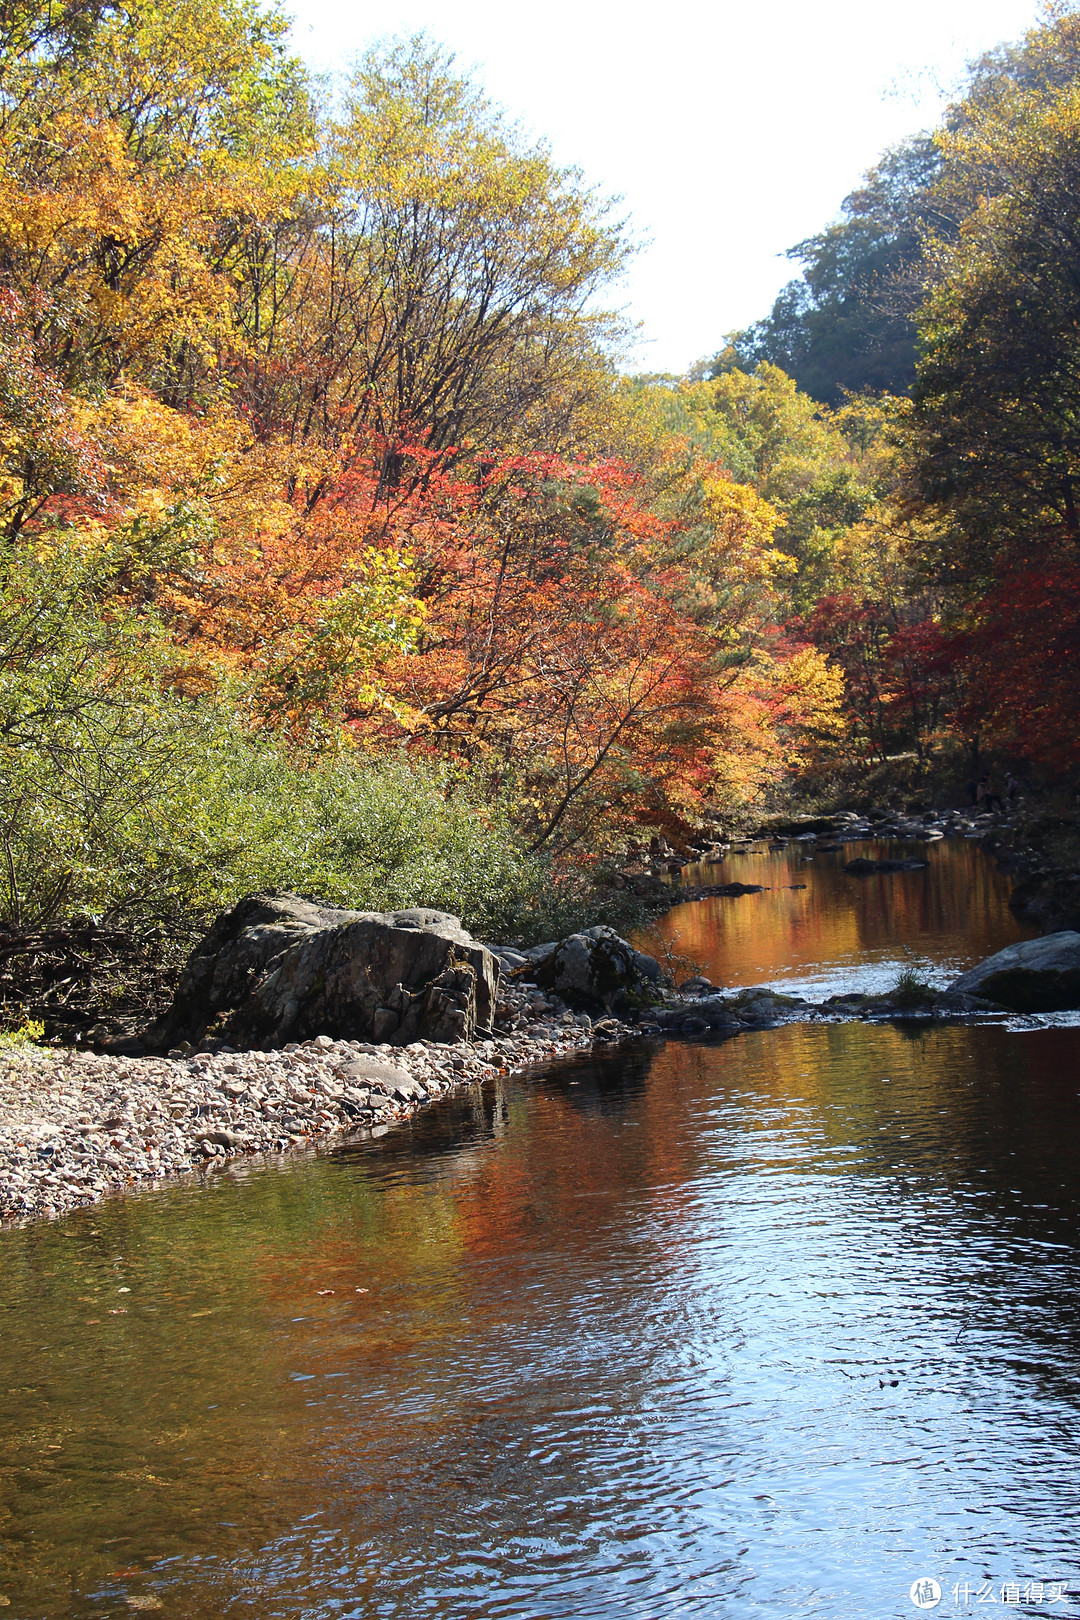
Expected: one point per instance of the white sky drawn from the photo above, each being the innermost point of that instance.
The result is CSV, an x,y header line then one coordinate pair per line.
x,y
731,130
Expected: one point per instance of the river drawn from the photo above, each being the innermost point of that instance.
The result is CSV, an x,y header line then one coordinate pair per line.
x,y
819,931
777,1326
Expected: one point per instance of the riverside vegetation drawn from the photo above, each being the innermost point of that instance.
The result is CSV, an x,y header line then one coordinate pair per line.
x,y
342,556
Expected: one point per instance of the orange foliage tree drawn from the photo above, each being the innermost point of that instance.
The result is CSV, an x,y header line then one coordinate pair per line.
x,y
334,375
601,661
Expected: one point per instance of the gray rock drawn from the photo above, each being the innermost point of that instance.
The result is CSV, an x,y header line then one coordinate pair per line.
x,y
597,968
225,1139
275,968
1038,975
357,1070
759,1007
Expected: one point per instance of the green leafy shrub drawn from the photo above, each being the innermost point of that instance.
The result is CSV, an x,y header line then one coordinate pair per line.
x,y
124,799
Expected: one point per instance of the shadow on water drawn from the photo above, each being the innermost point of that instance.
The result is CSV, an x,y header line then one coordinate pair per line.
x,y
760,1328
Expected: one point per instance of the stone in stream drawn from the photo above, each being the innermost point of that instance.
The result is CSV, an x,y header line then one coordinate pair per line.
x,y
276,968
1038,975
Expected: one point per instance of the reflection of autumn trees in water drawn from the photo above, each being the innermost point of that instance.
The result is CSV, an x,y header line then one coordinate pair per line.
x,y
538,1257
954,912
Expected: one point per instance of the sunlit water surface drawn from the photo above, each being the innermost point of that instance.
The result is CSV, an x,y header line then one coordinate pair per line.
x,y
817,930
765,1328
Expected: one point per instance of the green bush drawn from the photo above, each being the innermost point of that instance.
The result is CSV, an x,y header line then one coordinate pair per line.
x,y
122,799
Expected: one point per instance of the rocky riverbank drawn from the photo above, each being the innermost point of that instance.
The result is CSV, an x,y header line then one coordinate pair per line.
x,y
76,1127
311,1023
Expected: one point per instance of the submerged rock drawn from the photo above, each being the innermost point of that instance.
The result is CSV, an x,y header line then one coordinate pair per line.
x,y
1036,976
276,968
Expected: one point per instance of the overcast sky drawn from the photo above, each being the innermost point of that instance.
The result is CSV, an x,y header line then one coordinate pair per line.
x,y
731,130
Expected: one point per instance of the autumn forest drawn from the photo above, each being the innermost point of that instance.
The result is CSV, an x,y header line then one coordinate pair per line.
x,y
346,550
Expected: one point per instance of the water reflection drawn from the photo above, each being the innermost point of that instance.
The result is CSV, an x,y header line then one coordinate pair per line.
x,y
840,932
758,1328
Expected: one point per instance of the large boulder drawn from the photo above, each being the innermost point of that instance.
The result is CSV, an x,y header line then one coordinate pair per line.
x,y
597,968
276,968
1039,975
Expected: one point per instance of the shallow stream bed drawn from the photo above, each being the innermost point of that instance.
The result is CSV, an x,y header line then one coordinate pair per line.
x,y
817,930
773,1327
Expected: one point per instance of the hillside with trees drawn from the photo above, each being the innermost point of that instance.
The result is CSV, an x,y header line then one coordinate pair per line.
x,y
938,313
335,553
341,554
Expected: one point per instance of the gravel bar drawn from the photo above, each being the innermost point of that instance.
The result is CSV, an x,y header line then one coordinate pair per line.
x,y
76,1127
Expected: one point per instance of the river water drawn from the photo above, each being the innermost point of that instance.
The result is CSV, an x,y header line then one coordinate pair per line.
x,y
818,931
771,1327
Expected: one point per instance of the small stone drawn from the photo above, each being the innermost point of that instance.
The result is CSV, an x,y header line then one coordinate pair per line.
x,y
221,1139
